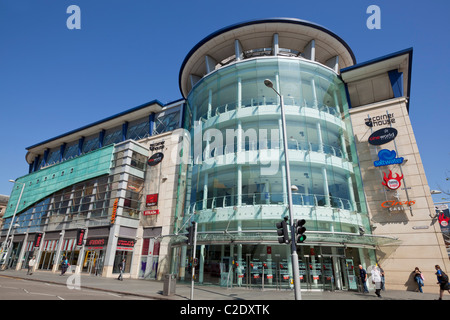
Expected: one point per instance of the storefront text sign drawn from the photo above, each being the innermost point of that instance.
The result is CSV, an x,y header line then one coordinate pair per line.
x,y
96,243
155,159
387,157
151,212
80,236
393,205
37,239
125,244
383,120
382,136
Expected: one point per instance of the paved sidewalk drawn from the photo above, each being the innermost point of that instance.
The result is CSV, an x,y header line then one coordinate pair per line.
x,y
154,289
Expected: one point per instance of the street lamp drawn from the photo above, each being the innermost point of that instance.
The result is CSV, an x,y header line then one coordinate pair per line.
x,y
10,225
294,255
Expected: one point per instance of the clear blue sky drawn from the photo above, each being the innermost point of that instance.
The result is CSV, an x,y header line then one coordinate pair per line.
x,y
53,79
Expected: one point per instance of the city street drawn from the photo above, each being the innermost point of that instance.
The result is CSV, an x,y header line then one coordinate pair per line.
x,y
20,289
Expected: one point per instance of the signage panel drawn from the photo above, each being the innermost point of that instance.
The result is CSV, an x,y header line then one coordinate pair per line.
x,y
80,236
151,212
155,159
38,239
97,243
387,158
391,182
125,244
382,136
152,200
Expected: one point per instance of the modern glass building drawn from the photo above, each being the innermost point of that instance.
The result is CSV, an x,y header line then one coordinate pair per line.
x,y
128,186
237,181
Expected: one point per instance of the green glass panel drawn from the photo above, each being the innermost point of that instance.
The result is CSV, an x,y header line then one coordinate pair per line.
x,y
43,183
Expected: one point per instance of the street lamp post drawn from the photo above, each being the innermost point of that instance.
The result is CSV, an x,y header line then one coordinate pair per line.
x,y
10,225
294,255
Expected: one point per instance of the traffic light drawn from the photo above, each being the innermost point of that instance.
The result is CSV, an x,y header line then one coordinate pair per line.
x,y
191,234
300,230
282,231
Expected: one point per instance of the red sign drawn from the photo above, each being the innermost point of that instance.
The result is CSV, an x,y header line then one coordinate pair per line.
x,y
114,211
127,243
391,182
37,239
152,200
269,250
80,236
96,242
151,212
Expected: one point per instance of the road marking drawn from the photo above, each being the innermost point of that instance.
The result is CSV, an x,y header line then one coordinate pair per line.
x,y
113,294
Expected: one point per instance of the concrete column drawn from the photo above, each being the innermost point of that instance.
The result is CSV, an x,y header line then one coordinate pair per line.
x,y
319,136
205,191
326,191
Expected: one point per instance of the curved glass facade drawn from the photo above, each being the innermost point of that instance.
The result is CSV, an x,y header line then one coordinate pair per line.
x,y
238,169
236,185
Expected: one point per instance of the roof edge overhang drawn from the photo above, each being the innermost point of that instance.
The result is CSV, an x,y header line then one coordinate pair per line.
x,y
252,22
153,106
395,61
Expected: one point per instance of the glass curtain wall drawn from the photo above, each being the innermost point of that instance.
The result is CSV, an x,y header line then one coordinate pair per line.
x,y
240,161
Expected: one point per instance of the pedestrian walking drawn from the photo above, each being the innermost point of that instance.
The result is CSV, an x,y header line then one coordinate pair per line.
x,y
121,269
442,281
64,265
376,280
31,265
382,278
363,276
419,278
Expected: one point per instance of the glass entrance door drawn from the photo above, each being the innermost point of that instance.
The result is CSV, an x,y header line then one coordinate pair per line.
x,y
93,262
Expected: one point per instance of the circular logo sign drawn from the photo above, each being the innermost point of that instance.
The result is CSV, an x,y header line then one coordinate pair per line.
x,y
393,184
382,136
155,159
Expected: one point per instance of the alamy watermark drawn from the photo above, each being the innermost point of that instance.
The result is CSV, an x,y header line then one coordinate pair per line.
x,y
374,20
74,20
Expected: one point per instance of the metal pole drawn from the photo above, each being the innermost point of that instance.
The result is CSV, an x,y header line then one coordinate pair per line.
x,y
11,224
193,261
294,255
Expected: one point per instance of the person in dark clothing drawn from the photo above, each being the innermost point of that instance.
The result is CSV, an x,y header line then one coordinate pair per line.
x,y
442,281
121,269
363,276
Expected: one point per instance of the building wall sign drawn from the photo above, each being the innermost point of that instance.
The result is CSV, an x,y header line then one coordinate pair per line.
x,y
152,200
155,159
383,136
391,182
151,212
38,239
96,243
157,146
387,158
125,244
385,119
114,211
80,236
393,203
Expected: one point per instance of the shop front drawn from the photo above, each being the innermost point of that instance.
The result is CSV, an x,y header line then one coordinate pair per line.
x,y
94,256
269,266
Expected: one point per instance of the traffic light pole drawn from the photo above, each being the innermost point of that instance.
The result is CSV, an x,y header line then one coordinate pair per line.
x,y
294,256
193,260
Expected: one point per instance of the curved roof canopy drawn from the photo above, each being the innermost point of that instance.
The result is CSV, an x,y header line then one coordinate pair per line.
x,y
219,48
